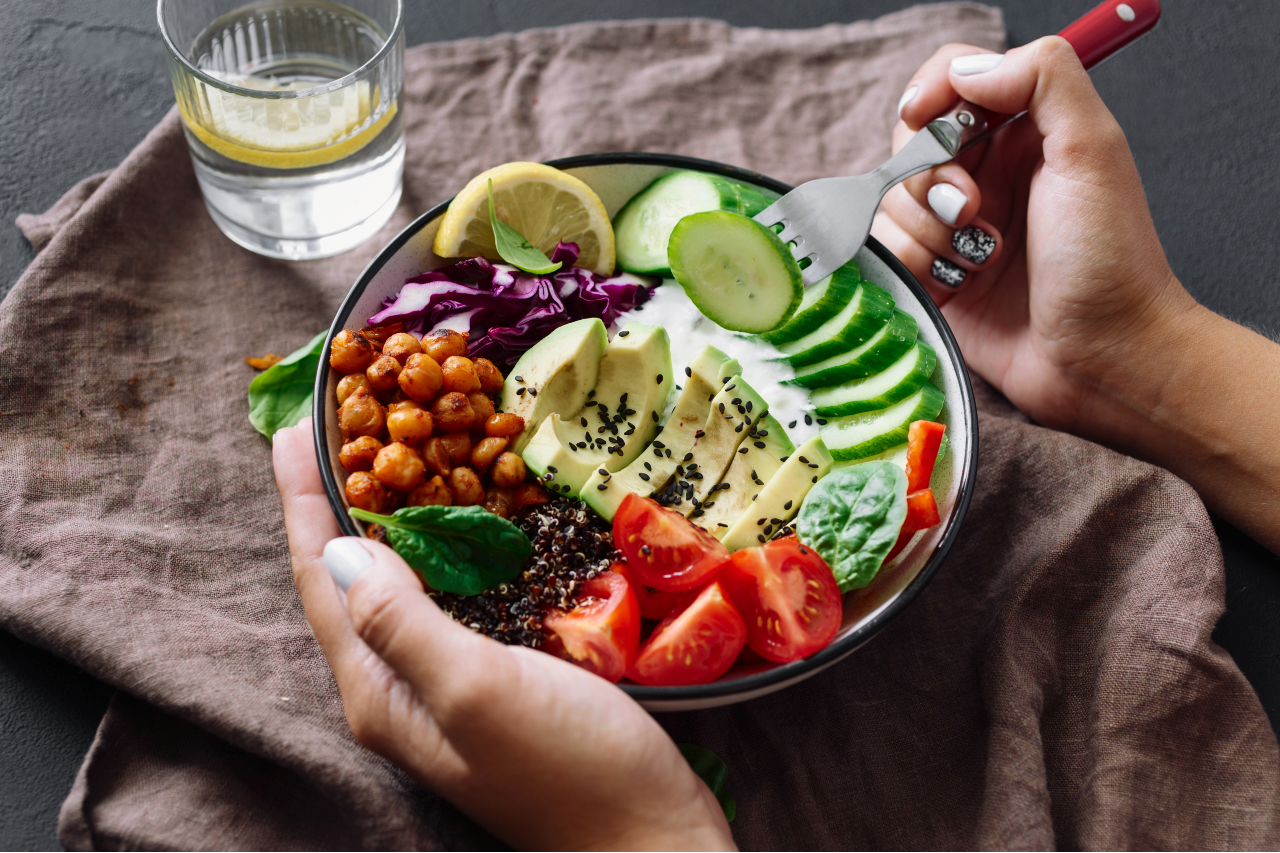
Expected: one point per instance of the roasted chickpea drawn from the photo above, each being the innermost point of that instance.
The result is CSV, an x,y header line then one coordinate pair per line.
x,y
527,494
349,384
490,376
452,412
409,425
508,470
460,375
504,423
351,352
400,346
362,415
458,446
383,373
485,451
421,378
431,493
497,504
399,467
443,343
436,455
358,454
365,491
465,485
482,406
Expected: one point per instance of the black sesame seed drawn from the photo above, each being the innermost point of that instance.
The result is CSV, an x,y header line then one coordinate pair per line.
x,y
760,536
791,425
736,400
815,478
533,392
813,465
654,415
520,392
787,505
808,421
699,434
658,444
739,427
688,372
601,487
721,408
759,522
805,461
822,422
759,444
644,476
520,379
743,449
623,333
748,405
659,378
591,393
648,467
602,472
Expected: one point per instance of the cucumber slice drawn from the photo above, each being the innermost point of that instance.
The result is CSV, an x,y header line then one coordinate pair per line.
x,y
819,304
866,314
737,271
898,381
881,350
859,436
642,228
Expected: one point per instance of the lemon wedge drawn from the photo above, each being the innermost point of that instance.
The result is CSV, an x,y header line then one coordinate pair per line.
x,y
544,204
284,134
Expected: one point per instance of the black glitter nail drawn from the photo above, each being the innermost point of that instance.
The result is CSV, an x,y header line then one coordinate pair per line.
x,y
973,244
948,273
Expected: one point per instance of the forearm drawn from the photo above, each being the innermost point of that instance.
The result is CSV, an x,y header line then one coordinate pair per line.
x,y
1201,398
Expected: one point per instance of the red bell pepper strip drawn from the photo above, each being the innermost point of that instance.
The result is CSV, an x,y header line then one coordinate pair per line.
x,y
923,440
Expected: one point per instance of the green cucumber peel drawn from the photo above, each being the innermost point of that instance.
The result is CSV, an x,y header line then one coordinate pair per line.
x,y
710,768
514,248
460,549
280,396
852,518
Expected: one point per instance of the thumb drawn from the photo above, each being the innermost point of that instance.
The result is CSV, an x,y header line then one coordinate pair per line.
x,y
1045,78
396,619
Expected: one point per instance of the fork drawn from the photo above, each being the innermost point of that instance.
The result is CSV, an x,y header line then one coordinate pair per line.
x,y
827,220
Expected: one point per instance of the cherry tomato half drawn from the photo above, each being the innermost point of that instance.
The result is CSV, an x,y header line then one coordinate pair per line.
x,y
601,633
663,548
787,596
696,643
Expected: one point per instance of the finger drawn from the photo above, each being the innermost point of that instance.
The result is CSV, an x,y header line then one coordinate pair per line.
x,y
933,93
934,273
972,247
309,524
402,625
1046,79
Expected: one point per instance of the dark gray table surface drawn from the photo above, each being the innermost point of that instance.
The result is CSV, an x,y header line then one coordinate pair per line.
x,y
87,79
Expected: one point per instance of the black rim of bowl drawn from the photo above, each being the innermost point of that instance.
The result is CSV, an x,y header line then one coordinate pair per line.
x,y
778,675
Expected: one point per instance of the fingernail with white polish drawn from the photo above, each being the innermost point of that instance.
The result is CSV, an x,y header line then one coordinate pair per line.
x,y
978,63
907,97
346,560
947,201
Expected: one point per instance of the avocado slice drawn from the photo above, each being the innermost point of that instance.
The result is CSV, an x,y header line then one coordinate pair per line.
x,y
733,411
758,458
619,418
554,375
781,497
649,471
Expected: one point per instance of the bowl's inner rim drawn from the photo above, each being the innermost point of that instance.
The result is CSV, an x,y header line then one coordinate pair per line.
x,y
777,676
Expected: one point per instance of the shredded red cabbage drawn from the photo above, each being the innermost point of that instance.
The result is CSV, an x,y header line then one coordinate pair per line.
x,y
506,310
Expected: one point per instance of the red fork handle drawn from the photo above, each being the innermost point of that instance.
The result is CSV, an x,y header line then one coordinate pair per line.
x,y
1112,25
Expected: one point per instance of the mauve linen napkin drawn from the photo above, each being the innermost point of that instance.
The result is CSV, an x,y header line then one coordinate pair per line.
x,y
1056,684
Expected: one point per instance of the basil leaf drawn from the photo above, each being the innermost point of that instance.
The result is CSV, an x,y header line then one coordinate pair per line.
x,y
852,518
713,771
280,396
459,549
514,248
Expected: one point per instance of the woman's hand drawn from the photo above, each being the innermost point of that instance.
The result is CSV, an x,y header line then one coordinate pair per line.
x,y
539,752
1041,251
1076,283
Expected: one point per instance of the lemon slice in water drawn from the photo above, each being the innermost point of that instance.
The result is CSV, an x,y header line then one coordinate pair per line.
x,y
291,133
544,204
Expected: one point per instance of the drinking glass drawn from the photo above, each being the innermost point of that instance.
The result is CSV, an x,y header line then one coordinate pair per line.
x,y
291,113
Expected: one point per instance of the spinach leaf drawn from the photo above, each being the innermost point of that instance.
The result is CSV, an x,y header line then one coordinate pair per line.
x,y
713,771
459,549
280,396
514,248
852,518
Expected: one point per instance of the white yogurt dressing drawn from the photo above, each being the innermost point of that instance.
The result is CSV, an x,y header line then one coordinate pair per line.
x,y
762,364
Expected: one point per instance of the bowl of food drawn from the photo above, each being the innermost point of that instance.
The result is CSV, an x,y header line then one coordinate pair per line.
x,y
593,405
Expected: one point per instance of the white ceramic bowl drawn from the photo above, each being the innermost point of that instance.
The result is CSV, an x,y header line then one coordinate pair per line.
x,y
616,178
